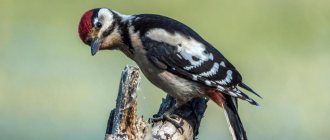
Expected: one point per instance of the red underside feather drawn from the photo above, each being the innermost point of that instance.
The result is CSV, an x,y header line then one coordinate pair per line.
x,y
216,96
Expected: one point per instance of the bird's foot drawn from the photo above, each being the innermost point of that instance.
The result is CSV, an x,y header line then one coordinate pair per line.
x,y
172,118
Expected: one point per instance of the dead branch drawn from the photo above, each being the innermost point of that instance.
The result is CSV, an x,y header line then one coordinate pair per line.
x,y
124,124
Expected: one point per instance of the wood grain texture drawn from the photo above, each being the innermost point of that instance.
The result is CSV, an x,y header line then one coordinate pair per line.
x,y
125,124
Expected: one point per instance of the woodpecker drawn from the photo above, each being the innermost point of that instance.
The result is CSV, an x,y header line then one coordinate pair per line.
x,y
172,56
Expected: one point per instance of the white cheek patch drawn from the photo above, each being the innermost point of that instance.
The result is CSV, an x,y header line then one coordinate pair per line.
x,y
106,18
188,48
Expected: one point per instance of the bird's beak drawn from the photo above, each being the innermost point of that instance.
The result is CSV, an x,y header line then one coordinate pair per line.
x,y
95,46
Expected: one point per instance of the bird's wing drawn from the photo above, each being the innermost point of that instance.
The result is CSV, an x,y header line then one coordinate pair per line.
x,y
191,59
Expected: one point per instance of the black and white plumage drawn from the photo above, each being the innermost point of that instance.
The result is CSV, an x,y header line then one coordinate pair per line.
x,y
172,56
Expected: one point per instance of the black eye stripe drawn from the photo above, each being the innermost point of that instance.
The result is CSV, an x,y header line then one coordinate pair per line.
x,y
108,31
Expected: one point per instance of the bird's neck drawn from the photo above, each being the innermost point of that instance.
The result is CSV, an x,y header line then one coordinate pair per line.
x,y
124,28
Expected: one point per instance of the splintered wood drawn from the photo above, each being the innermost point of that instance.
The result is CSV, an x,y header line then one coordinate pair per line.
x,y
124,124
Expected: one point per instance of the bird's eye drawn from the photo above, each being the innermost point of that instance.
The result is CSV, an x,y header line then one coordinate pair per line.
x,y
98,25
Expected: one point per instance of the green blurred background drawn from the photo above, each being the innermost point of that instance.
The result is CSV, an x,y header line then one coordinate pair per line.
x,y
51,88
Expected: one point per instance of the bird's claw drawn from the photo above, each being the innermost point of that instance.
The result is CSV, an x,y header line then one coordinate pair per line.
x,y
170,118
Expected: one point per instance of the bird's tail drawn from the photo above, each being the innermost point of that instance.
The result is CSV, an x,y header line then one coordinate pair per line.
x,y
229,104
234,122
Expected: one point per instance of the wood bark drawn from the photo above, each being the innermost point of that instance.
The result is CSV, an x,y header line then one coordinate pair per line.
x,y
125,124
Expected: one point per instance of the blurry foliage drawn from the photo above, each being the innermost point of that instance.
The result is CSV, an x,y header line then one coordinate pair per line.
x,y
51,88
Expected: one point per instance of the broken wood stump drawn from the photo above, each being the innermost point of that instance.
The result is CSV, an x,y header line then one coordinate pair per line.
x,y
125,124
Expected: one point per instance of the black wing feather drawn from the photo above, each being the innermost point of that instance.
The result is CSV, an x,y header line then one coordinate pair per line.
x,y
166,56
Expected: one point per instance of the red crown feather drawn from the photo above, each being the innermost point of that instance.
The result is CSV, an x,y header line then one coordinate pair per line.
x,y
85,25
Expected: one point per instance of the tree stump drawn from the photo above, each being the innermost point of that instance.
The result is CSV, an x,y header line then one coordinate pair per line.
x,y
124,124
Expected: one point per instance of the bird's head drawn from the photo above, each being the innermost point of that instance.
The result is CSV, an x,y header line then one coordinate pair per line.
x,y
98,28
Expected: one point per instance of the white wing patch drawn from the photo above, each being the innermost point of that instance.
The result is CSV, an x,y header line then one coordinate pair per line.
x,y
211,56
195,77
187,47
222,64
212,71
194,65
208,82
228,78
